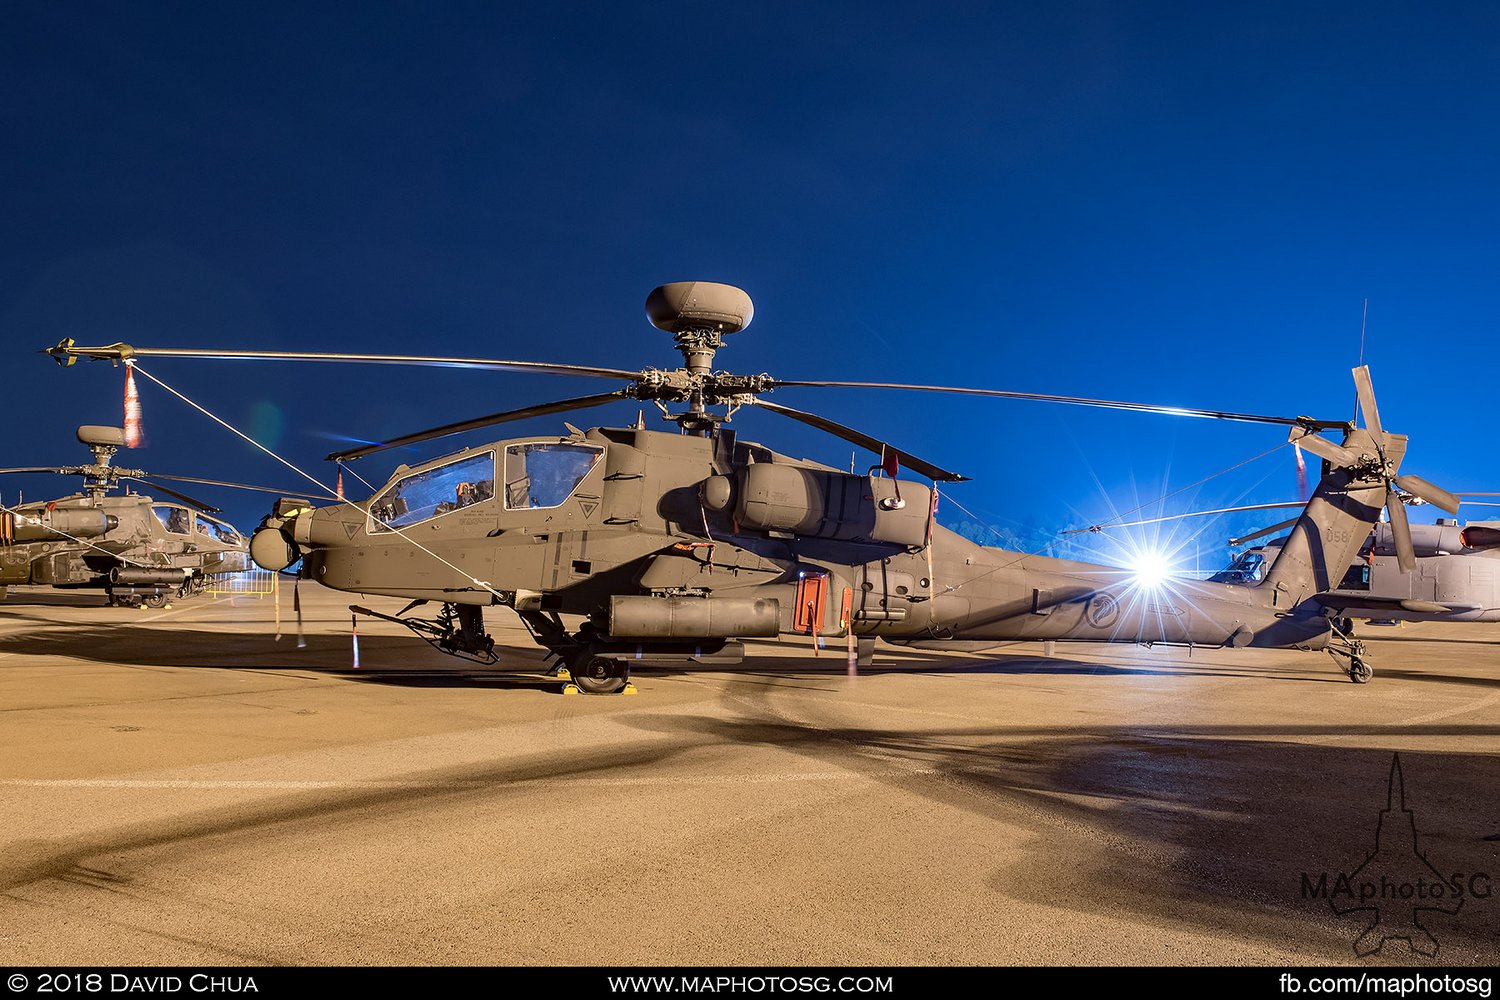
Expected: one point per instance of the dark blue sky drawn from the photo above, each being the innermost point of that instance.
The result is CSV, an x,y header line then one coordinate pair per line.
x,y
1183,203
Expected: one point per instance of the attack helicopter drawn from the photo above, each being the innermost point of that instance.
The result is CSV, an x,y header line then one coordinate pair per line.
x,y
138,549
672,545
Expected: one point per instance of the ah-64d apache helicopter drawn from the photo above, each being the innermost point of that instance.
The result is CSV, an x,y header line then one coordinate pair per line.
x,y
672,544
139,550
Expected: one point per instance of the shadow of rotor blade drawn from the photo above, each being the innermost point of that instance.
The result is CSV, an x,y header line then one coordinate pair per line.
x,y
910,461
541,410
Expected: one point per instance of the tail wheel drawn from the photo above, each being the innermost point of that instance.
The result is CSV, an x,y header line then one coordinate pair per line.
x,y
1360,672
601,675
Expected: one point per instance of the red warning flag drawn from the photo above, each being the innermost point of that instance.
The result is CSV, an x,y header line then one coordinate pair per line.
x,y
134,436
338,487
888,463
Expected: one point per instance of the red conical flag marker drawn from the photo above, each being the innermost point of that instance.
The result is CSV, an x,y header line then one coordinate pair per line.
x,y
134,437
338,487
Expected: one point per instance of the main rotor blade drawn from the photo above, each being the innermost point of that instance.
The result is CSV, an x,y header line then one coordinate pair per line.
x,y
1191,513
1365,390
561,406
159,488
51,468
237,486
1435,495
66,351
1235,543
1406,553
1109,404
1340,456
910,461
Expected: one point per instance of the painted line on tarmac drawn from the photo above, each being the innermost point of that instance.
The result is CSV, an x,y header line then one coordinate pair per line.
x,y
1446,713
276,784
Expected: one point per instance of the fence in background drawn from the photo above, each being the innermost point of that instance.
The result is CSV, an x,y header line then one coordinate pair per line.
x,y
250,583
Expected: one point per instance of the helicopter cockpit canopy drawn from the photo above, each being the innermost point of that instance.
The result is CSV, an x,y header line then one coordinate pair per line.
x,y
1250,567
177,520
544,474
429,493
537,474
218,530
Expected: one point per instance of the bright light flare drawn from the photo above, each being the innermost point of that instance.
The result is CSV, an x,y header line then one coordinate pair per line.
x,y
1152,570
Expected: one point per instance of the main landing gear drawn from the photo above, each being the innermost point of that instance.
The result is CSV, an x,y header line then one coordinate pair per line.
x,y
582,657
582,660
155,599
1343,643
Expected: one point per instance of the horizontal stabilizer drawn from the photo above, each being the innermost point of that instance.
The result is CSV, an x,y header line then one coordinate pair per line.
x,y
1343,599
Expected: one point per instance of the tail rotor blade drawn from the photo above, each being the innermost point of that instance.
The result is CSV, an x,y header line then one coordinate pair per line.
x,y
1309,440
1406,553
1435,495
1366,391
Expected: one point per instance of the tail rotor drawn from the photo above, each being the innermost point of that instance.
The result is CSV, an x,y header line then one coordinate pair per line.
x,y
1380,467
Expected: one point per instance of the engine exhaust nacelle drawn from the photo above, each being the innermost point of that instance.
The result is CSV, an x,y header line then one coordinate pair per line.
x,y
59,524
823,503
1479,536
1426,540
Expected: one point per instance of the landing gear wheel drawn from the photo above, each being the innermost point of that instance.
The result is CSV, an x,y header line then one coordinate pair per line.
x,y
1360,672
156,600
601,675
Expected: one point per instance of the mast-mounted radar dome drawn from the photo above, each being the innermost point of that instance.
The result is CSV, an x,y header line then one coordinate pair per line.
x,y
94,434
699,305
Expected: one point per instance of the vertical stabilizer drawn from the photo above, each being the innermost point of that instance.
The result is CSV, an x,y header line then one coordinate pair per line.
x,y
1335,522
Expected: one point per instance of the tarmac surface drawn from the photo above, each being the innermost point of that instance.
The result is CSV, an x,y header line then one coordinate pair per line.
x,y
182,788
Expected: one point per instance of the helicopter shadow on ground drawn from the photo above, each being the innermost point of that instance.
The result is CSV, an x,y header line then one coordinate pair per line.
x,y
52,598
405,661
898,660
1200,828
391,659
